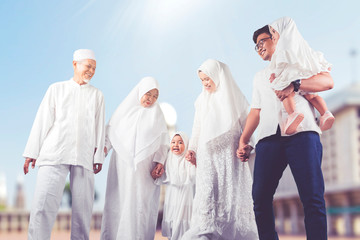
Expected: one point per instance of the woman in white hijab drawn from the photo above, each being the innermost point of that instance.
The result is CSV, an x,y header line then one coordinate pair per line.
x,y
138,134
223,207
179,178
294,60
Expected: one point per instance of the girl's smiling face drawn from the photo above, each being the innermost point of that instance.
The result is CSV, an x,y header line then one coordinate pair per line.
x,y
177,145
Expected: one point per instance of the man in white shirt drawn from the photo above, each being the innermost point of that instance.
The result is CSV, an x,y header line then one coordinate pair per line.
x,y
275,150
68,135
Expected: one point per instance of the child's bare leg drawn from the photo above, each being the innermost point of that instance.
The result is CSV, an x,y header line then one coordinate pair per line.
x,y
318,102
326,119
294,118
289,103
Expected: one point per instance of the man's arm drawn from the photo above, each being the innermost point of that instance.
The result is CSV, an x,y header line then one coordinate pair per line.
x,y
43,122
252,122
317,83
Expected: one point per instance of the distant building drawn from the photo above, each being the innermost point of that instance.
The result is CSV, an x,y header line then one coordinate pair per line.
x,y
341,170
20,194
3,192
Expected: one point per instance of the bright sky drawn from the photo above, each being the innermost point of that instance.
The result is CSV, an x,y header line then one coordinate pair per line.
x,y
166,39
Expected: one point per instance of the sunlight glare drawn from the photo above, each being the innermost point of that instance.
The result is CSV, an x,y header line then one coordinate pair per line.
x,y
163,13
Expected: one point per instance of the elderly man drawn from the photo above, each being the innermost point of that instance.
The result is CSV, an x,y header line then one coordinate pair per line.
x,y
67,136
275,150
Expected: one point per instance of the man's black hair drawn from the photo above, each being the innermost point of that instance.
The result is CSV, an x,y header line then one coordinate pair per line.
x,y
264,29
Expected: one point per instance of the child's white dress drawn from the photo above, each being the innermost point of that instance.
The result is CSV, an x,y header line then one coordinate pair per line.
x,y
179,178
293,58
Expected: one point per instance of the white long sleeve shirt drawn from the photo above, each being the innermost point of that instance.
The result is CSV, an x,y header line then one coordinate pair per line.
x,y
272,112
69,126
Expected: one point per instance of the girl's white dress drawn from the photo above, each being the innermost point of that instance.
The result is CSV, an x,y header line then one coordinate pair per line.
x,y
293,58
223,206
139,139
179,178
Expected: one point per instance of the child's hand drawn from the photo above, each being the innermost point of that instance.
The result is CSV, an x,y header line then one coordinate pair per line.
x,y
272,77
157,171
191,157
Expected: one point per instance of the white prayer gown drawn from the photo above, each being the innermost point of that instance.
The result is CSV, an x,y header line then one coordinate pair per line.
x,y
293,58
139,139
179,178
223,207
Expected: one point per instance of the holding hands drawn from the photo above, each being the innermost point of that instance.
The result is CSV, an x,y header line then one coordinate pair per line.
x,y
243,152
157,171
191,157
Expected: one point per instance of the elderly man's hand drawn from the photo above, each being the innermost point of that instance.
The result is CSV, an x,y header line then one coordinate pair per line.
x,y
26,164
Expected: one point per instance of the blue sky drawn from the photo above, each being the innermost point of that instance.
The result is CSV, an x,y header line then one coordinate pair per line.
x,y
166,39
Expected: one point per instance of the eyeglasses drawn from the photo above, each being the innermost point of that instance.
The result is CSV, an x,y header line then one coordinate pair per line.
x,y
260,44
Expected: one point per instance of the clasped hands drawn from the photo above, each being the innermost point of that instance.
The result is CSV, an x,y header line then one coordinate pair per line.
x,y
243,152
159,168
158,171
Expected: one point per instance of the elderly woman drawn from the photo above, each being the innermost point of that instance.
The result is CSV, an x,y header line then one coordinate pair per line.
x,y
138,134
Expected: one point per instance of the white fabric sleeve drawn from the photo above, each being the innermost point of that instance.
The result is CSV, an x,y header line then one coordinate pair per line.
x,y
256,97
108,144
192,173
161,154
43,122
160,180
100,131
195,134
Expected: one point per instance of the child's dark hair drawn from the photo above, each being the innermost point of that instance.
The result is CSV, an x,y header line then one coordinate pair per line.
x,y
264,29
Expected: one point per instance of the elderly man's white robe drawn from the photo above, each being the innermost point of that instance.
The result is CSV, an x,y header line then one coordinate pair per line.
x,y
67,136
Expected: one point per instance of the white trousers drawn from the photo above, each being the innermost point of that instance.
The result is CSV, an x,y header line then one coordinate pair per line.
x,y
48,194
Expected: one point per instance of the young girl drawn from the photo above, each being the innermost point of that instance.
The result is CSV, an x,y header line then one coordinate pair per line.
x,y
223,207
293,60
180,178
138,134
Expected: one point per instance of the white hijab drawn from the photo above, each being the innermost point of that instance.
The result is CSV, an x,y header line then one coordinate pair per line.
x,y
178,170
294,53
219,111
136,132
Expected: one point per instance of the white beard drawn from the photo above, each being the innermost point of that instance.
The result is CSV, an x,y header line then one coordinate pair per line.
x,y
86,80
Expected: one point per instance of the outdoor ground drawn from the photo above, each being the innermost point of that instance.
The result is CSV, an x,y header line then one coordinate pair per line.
x,y
95,235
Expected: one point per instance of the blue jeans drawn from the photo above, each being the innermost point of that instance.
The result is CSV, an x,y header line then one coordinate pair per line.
x,y
303,153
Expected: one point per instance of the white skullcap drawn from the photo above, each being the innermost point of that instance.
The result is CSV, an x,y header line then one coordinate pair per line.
x,y
82,54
